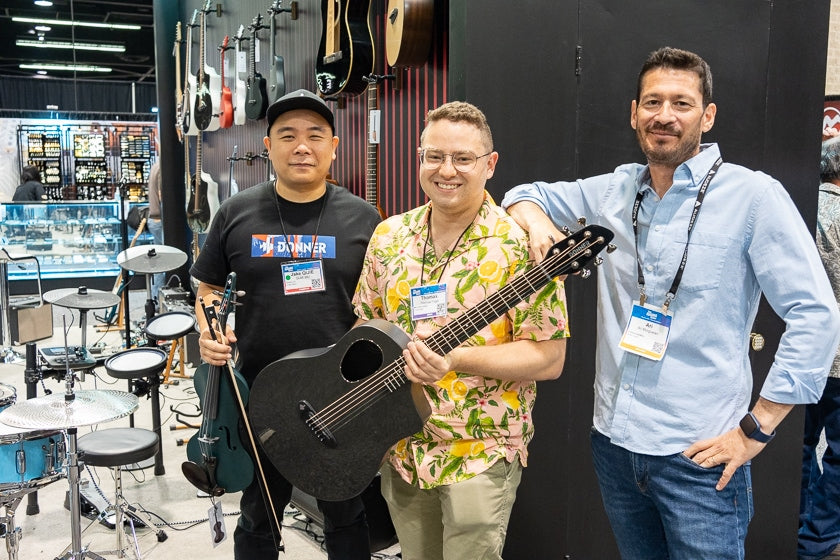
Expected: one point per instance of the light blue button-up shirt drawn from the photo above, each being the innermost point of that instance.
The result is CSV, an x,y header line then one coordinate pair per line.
x,y
749,239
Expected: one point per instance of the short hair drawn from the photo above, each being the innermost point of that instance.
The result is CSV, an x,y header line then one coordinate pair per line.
x,y
461,111
30,173
830,160
678,59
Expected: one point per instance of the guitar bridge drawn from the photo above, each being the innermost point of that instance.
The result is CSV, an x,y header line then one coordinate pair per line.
x,y
333,57
308,415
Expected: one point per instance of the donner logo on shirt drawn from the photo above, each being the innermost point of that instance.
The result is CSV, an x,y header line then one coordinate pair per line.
x,y
296,247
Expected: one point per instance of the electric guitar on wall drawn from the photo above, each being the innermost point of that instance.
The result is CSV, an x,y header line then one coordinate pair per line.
x,y
327,416
179,93
277,80
187,120
372,159
408,32
204,196
226,109
345,53
256,99
241,68
209,92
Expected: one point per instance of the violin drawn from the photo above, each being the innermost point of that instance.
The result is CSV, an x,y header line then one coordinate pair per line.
x,y
218,461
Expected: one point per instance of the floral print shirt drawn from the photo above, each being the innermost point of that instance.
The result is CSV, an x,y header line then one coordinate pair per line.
x,y
475,420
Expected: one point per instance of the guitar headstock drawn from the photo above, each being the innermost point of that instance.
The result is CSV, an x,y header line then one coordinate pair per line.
x,y
208,7
177,31
194,20
572,254
256,24
240,34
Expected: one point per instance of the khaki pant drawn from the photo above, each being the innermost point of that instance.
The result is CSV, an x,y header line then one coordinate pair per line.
x,y
463,521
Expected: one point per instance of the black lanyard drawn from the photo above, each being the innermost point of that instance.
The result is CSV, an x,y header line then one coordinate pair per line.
x,y
449,255
317,224
672,292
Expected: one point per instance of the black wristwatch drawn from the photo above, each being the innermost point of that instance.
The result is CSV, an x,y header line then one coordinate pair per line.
x,y
752,429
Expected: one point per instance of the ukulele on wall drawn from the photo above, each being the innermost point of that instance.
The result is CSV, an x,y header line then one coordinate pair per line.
x,y
277,80
256,99
209,84
372,159
345,53
226,108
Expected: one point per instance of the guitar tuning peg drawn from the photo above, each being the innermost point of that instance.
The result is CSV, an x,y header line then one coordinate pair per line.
x,y
585,273
582,221
565,230
610,248
598,261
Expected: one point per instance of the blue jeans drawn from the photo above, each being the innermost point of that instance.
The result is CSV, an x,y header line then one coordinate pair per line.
x,y
667,507
819,506
155,227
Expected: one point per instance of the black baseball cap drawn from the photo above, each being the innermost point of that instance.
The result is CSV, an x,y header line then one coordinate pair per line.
x,y
300,99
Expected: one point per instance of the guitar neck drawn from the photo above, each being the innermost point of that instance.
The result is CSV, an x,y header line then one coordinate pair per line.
x,y
201,51
332,28
372,171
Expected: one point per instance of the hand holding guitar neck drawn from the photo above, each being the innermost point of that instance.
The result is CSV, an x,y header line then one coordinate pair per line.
x,y
256,98
226,111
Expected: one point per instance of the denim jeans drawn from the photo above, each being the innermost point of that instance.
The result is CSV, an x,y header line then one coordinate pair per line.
x,y
155,227
819,506
666,507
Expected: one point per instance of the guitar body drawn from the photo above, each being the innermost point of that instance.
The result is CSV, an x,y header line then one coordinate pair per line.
x,y
239,116
214,85
234,469
345,469
256,98
342,72
188,124
408,32
203,106
226,116
203,204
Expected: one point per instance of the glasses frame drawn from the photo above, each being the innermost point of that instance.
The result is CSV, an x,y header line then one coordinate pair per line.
x,y
422,151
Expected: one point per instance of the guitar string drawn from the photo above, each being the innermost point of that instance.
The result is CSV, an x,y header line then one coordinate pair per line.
x,y
335,415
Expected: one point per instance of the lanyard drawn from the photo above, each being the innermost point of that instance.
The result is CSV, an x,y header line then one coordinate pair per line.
x,y
672,292
317,224
449,254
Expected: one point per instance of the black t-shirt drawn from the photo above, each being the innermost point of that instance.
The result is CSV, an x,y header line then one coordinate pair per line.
x,y
247,237
29,191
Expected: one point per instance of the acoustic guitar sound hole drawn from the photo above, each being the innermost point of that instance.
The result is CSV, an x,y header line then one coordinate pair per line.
x,y
363,358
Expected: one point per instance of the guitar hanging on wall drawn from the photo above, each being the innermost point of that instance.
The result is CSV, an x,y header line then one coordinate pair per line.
x,y
372,159
226,108
277,79
187,117
203,202
408,32
179,92
256,98
345,53
241,88
209,84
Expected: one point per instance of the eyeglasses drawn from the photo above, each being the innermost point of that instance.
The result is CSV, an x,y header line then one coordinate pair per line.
x,y
461,161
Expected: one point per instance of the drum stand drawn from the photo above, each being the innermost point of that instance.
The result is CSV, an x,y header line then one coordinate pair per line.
x,y
76,551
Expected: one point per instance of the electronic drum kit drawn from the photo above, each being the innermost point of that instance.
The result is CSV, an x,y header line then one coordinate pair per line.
x,y
38,435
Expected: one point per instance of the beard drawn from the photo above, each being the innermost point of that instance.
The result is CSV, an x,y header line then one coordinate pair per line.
x,y
688,144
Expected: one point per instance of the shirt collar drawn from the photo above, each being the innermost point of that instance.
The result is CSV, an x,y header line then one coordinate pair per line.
x,y
695,167
419,221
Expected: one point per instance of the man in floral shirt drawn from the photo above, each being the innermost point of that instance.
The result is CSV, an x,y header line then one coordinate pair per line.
x,y
450,488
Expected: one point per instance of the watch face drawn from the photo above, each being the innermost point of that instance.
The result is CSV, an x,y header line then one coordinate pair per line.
x,y
748,425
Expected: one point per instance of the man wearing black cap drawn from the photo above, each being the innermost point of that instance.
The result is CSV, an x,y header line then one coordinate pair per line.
x,y
301,222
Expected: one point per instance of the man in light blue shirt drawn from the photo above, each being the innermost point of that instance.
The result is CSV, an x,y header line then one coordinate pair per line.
x,y
699,241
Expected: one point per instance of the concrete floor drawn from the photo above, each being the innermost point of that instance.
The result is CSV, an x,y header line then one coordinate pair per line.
x,y
172,501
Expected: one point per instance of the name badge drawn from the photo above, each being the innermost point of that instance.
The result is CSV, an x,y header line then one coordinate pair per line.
x,y
428,301
300,277
647,332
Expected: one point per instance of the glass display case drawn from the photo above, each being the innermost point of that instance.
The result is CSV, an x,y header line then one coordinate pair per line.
x,y
70,239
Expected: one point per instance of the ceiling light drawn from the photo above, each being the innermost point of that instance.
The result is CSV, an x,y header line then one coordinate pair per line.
x,y
77,23
43,28
40,43
42,72
44,3
67,67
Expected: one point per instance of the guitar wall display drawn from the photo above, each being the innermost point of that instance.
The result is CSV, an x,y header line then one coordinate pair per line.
x,y
345,53
226,108
256,98
209,84
408,32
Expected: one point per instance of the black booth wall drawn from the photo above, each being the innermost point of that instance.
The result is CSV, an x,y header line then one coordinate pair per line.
x,y
557,92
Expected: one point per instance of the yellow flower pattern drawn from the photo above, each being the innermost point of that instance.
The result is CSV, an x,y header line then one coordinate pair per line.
x,y
475,421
